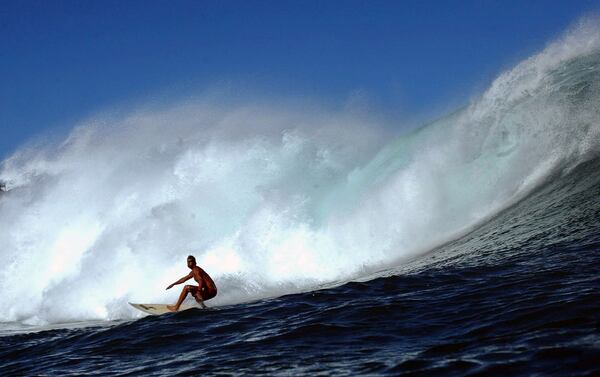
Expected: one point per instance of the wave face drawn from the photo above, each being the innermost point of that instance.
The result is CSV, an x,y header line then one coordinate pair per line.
x,y
272,200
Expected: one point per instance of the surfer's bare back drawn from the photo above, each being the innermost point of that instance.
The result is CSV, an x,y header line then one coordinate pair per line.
x,y
205,290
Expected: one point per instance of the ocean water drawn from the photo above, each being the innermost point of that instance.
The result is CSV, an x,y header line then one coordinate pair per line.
x,y
470,246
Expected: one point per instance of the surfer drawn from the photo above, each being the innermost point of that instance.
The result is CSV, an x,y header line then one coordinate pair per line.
x,y
205,290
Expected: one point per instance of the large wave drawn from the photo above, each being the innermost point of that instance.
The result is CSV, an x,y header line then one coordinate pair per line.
x,y
276,199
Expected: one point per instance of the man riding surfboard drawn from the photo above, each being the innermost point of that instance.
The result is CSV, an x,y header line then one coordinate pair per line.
x,y
205,290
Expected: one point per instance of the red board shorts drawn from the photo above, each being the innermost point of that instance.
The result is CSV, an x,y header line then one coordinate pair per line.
x,y
205,293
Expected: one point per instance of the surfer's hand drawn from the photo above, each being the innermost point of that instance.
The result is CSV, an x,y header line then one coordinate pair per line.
x,y
170,286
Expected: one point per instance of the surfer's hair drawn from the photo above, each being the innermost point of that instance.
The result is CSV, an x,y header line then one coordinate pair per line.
x,y
192,258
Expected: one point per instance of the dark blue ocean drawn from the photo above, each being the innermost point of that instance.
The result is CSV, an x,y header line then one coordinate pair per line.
x,y
469,247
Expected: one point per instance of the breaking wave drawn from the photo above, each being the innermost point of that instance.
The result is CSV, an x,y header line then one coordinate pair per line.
x,y
277,199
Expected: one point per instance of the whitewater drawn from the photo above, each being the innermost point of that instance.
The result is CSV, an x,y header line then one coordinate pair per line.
x,y
277,198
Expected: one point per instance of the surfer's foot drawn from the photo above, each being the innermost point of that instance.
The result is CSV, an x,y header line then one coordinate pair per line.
x,y
172,308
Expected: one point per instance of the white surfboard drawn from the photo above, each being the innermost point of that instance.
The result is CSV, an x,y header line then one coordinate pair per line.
x,y
158,309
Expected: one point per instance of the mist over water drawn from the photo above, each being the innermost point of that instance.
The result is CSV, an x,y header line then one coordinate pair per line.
x,y
276,199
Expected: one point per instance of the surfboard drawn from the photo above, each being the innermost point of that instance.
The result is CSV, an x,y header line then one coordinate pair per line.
x,y
158,309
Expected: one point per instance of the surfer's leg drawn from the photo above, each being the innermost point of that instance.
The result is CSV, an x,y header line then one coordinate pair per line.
x,y
204,294
209,293
184,292
197,293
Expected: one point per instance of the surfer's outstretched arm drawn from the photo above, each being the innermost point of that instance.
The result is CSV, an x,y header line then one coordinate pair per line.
x,y
183,279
